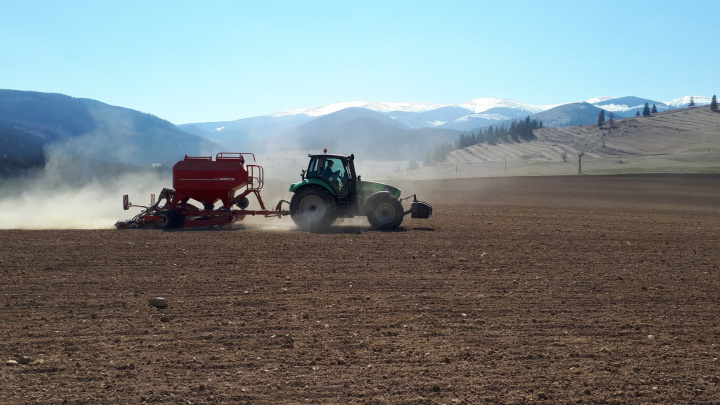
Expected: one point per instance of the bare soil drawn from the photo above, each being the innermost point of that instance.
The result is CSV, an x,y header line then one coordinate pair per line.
x,y
552,289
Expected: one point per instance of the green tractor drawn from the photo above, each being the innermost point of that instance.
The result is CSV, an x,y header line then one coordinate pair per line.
x,y
330,189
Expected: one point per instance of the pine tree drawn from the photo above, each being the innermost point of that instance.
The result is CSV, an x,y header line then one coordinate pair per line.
x,y
490,136
654,109
692,102
480,136
646,110
713,103
601,118
612,119
637,113
514,131
428,159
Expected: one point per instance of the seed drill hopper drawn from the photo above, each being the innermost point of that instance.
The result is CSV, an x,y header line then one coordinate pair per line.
x,y
227,180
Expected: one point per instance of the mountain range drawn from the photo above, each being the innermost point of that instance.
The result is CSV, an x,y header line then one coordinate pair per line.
x,y
413,125
33,124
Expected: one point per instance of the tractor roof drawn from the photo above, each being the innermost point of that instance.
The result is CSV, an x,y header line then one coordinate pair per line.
x,y
330,155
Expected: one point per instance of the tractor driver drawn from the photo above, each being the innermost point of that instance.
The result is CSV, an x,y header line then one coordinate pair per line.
x,y
333,176
328,173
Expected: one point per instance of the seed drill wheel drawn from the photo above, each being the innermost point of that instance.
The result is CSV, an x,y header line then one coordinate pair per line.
x,y
170,219
242,203
385,213
313,208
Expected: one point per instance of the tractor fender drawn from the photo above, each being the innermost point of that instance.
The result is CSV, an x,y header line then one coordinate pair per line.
x,y
295,187
371,201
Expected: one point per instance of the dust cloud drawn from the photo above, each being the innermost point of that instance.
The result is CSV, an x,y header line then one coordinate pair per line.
x,y
69,195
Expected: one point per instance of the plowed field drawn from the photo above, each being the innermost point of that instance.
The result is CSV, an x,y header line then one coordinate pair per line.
x,y
556,289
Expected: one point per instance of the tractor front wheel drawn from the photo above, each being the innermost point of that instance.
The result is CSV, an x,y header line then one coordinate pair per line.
x,y
313,208
385,213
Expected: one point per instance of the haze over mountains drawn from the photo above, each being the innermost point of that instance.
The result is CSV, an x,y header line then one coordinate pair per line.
x,y
32,124
412,124
84,128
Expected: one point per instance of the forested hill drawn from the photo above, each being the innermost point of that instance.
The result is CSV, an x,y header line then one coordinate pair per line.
x,y
30,121
19,151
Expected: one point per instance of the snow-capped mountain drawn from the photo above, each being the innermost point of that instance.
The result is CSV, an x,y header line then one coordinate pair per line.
x,y
633,104
395,120
368,105
598,100
683,102
463,116
625,106
479,105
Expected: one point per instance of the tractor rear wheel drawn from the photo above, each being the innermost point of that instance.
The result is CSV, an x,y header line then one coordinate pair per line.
x,y
313,208
170,219
385,213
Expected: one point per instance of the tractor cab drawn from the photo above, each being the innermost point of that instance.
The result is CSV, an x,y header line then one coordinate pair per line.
x,y
337,171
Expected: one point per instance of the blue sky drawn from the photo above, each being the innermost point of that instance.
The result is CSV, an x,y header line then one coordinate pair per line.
x,y
201,61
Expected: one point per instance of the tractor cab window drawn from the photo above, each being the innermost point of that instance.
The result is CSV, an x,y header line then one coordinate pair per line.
x,y
334,172
312,171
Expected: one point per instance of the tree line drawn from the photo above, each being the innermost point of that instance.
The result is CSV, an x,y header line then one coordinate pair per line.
x,y
517,131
